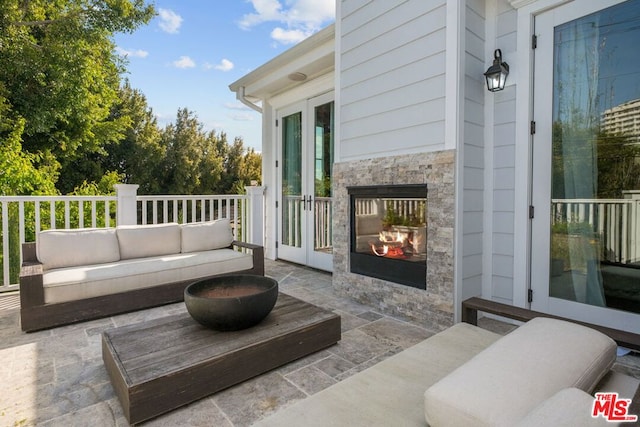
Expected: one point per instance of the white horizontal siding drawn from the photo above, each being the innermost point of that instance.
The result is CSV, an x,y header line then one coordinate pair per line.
x,y
504,193
357,14
502,222
473,178
503,243
394,140
349,7
473,146
392,85
421,27
502,287
395,98
471,265
400,62
471,221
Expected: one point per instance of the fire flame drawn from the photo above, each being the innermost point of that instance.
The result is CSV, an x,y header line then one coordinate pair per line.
x,y
390,236
393,242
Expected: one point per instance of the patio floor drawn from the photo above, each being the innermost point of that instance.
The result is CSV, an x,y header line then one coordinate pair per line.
x,y
56,377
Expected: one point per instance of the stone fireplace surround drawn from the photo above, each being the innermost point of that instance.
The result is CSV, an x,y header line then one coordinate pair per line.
x,y
431,308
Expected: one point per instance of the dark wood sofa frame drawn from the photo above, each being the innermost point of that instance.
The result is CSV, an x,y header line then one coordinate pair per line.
x,y
36,315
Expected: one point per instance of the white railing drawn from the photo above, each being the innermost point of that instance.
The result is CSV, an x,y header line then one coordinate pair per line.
x,y
22,217
183,209
616,222
293,209
323,230
403,207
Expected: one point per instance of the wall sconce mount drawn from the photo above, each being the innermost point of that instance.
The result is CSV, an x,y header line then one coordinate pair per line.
x,y
497,74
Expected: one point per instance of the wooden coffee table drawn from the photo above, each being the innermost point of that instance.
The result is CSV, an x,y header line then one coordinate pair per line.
x,y
162,364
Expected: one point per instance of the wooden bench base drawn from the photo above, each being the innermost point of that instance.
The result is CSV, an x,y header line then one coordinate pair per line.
x,y
472,306
163,364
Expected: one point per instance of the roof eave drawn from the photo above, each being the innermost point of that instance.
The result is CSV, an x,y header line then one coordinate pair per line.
x,y
283,64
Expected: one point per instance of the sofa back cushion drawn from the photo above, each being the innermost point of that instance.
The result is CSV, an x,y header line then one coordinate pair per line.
x,y
82,246
505,381
204,236
141,241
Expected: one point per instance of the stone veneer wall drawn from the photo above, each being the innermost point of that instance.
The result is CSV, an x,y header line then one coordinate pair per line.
x,y
432,308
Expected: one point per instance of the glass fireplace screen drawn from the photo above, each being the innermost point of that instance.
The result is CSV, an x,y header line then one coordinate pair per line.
x,y
391,227
389,233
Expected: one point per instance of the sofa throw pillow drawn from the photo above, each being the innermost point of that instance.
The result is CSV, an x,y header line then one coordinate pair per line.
x,y
82,246
204,236
142,241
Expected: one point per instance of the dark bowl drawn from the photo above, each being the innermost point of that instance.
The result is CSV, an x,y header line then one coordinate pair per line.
x,y
231,303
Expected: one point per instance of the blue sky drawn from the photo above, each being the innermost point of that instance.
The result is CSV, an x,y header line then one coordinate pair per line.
x,y
189,54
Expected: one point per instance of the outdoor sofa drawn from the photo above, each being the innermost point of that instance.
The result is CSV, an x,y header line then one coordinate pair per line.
x,y
73,275
544,373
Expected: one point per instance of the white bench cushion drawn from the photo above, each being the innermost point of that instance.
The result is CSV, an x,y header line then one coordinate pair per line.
x,y
390,392
501,384
75,283
142,241
82,246
570,407
204,236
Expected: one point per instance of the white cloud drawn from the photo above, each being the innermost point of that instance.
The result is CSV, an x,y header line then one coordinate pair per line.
x,y
283,36
242,117
135,53
170,21
224,65
184,62
266,10
300,18
236,106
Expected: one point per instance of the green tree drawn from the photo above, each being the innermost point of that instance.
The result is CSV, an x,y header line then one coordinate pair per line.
x,y
250,170
616,161
138,156
18,173
241,166
211,164
183,142
618,165
61,75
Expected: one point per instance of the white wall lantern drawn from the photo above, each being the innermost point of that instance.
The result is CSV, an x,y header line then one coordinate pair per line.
x,y
497,74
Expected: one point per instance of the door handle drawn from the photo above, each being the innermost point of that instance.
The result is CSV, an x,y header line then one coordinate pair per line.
x,y
304,202
309,201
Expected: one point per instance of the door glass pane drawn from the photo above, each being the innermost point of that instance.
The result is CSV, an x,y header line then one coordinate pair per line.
x,y
292,180
323,164
595,206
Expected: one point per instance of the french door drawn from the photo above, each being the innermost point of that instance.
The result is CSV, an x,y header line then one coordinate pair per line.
x,y
305,161
585,257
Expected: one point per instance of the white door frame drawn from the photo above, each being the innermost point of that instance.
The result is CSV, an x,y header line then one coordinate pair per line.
x,y
292,253
305,254
541,177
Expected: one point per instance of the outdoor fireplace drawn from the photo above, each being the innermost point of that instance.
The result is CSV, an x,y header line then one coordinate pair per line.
x,y
389,233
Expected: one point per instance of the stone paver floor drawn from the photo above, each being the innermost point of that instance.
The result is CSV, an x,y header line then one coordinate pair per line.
x,y
56,377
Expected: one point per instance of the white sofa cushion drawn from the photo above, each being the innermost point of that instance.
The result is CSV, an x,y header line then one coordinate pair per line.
x,y
75,283
142,241
82,246
204,236
501,384
570,407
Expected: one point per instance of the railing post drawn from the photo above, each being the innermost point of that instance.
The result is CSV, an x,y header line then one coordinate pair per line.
x,y
126,209
256,215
